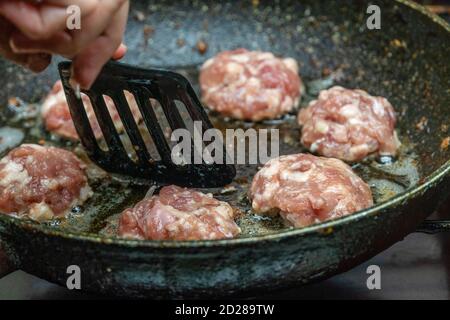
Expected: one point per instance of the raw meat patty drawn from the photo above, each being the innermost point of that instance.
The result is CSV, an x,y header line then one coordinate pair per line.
x,y
179,214
349,125
57,119
41,182
250,85
305,189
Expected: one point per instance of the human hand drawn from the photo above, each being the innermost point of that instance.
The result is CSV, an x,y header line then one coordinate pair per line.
x,y
36,62
37,29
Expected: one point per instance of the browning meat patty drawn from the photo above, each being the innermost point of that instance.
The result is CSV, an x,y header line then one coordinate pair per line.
x,y
41,182
349,125
250,85
179,214
305,189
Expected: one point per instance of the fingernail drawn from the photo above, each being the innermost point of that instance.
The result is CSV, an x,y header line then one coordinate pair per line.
x,y
14,47
74,84
75,87
120,52
19,43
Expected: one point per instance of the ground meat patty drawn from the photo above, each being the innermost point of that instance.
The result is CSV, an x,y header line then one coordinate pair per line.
x,y
250,85
57,119
349,125
179,214
306,189
41,182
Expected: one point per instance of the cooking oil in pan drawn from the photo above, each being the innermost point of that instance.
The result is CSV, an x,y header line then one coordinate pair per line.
x,y
99,215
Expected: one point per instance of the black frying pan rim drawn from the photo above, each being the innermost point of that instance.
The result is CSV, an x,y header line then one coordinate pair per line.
x,y
433,179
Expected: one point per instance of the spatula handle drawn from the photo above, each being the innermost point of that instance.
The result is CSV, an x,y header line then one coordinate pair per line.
x,y
434,226
442,224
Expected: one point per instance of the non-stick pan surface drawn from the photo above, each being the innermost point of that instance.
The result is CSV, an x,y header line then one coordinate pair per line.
x,y
405,61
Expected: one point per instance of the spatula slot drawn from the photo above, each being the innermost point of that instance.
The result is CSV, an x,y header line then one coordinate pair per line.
x,y
106,124
162,121
119,125
152,125
87,122
144,133
195,129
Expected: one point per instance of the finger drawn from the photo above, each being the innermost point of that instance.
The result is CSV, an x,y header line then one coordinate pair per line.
x,y
120,52
34,62
88,63
20,43
41,21
72,42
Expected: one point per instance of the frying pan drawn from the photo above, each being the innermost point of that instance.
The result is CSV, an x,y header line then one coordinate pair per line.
x,y
405,61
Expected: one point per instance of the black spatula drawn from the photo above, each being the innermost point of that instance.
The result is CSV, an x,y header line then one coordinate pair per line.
x,y
147,86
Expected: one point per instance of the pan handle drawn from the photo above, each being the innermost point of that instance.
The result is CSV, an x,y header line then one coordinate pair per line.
x,y
6,266
434,226
437,226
